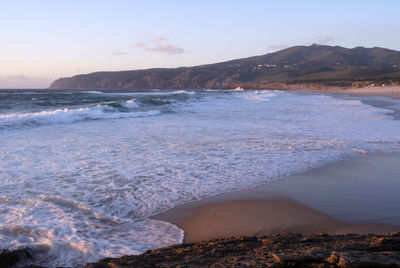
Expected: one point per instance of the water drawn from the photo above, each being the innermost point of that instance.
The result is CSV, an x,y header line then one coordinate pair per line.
x,y
81,171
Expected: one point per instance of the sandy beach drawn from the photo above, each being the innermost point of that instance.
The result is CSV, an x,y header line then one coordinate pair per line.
x,y
389,91
357,195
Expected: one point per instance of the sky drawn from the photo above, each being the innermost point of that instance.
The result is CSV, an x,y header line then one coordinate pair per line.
x,y
42,40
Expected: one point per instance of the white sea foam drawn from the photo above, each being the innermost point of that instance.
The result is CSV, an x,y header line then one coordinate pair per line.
x,y
130,104
70,247
149,93
79,192
259,95
183,92
93,92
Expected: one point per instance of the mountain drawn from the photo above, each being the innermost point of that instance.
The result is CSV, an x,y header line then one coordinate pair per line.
x,y
298,66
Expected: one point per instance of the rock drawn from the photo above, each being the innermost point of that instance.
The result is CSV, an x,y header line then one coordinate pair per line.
x,y
9,258
282,250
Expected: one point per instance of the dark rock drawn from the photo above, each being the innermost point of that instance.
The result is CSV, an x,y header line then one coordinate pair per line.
x,y
283,250
9,258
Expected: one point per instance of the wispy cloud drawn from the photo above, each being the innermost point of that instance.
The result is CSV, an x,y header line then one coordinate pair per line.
x,y
168,49
159,44
139,44
159,39
323,40
277,47
118,53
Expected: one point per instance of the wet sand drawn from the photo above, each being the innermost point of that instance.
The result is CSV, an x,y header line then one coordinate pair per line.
x,y
358,195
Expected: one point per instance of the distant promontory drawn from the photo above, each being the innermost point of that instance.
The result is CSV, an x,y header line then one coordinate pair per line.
x,y
312,66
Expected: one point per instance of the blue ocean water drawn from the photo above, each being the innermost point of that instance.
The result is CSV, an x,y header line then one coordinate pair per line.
x,y
82,171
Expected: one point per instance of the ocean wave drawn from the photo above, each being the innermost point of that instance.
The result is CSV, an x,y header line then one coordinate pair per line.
x,y
183,92
150,93
71,115
93,92
263,95
131,104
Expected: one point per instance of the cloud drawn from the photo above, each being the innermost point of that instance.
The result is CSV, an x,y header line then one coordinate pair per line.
x,y
139,44
22,81
277,47
159,39
323,40
117,53
168,49
159,44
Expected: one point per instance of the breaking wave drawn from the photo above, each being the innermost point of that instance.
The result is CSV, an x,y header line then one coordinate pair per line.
x,y
150,93
93,92
72,115
131,104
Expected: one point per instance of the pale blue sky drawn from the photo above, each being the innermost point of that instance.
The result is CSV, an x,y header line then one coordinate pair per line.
x,y
42,40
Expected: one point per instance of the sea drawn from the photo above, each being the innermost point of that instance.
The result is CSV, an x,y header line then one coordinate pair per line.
x,y
81,172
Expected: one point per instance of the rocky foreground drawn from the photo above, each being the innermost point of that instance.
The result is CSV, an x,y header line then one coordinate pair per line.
x,y
283,250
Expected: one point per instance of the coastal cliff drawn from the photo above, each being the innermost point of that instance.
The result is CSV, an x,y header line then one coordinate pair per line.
x,y
312,66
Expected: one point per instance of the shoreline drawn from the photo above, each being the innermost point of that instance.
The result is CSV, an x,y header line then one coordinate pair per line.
x,y
380,97
323,200
348,196
301,203
389,91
